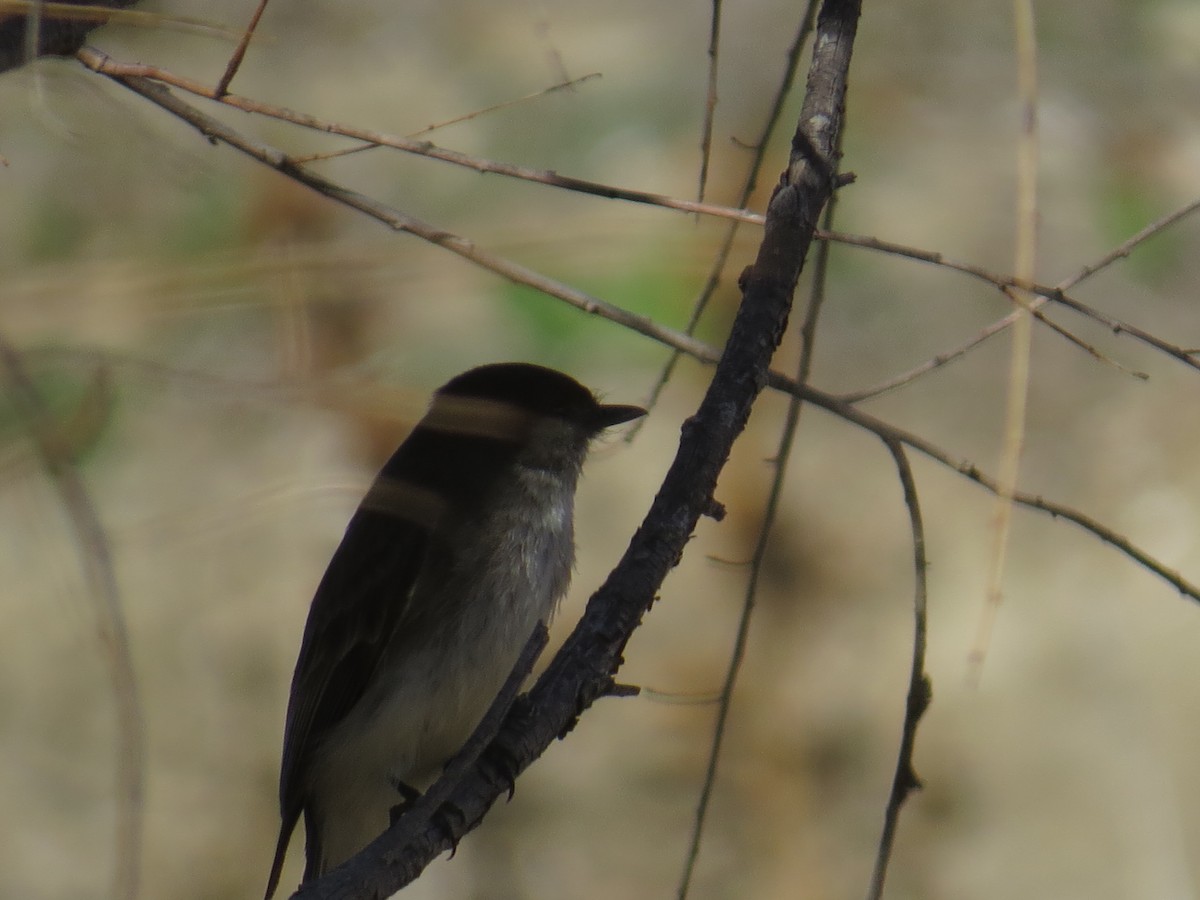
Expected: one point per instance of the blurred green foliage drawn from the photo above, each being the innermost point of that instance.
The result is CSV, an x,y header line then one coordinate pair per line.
x,y
559,330
1126,206
77,410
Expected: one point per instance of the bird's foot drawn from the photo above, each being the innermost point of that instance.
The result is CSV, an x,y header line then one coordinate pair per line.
x,y
408,796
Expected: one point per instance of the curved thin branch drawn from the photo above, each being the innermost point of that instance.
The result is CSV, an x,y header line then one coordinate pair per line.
x,y
786,439
969,470
567,85
1016,401
239,52
96,562
1126,247
710,99
1056,294
749,185
920,692
103,64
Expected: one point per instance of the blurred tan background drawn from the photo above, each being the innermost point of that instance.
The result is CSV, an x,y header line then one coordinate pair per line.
x,y
238,355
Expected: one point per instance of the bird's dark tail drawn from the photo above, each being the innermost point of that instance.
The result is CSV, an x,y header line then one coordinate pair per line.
x,y
285,837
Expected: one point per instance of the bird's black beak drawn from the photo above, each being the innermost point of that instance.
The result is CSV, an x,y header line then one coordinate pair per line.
x,y
615,414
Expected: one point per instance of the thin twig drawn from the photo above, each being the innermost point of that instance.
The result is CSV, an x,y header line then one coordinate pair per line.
x,y
721,258
1024,266
1056,294
905,779
277,159
568,85
787,436
969,470
465,117
710,95
941,359
1125,247
1027,304
96,561
239,52
1117,326
100,62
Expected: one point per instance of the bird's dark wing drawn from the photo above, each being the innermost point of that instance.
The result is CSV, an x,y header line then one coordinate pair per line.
x,y
361,601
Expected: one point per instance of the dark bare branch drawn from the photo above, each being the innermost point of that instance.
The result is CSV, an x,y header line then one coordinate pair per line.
x,y
920,692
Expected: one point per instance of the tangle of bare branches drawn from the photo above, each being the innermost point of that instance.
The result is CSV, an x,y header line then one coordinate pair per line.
x,y
840,406
583,671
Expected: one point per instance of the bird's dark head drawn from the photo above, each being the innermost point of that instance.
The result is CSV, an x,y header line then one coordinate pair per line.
x,y
544,414
491,418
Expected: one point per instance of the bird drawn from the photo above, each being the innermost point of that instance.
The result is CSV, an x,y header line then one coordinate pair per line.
x,y
462,544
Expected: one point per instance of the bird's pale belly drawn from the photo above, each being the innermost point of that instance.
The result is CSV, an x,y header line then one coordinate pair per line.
x,y
406,727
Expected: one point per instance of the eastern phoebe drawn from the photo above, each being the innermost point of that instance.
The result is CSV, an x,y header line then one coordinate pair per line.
x,y
463,543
